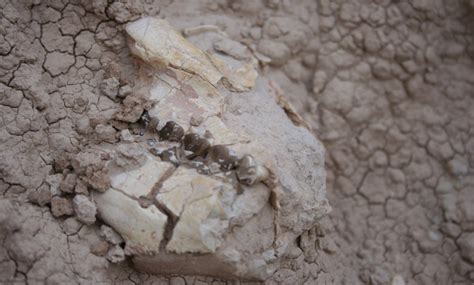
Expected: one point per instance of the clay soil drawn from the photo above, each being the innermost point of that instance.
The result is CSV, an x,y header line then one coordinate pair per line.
x,y
386,85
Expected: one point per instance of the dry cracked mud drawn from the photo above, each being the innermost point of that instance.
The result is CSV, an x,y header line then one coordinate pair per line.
x,y
386,86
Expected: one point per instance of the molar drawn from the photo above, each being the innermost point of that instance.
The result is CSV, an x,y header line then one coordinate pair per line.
x,y
171,132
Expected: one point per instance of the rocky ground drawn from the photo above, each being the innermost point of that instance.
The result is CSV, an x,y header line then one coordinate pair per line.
x,y
387,86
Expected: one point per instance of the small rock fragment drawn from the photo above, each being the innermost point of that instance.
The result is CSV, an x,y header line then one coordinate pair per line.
x,y
61,207
124,91
81,188
133,108
54,181
196,120
106,133
69,183
126,136
90,159
97,179
110,87
110,235
116,254
41,196
61,163
121,12
85,209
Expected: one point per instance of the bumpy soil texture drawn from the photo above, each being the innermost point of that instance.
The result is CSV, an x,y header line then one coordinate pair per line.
x,y
386,85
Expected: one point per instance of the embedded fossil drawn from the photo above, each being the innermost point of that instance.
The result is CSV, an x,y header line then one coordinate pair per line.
x,y
222,155
171,155
154,40
171,132
250,172
189,141
194,143
199,212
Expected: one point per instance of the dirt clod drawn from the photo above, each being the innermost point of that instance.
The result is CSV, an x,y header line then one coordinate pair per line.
x,y
61,207
85,209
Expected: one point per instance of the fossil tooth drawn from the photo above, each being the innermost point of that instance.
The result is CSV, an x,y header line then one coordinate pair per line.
x,y
222,155
190,141
171,132
194,143
250,171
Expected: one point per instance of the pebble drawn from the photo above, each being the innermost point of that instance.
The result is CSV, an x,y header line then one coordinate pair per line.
x,y
61,207
110,235
69,183
115,254
81,188
85,209
126,136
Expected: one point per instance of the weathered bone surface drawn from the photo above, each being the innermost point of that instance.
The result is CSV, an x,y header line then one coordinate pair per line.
x,y
177,220
156,42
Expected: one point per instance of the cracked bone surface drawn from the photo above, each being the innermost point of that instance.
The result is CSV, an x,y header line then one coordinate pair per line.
x,y
204,224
